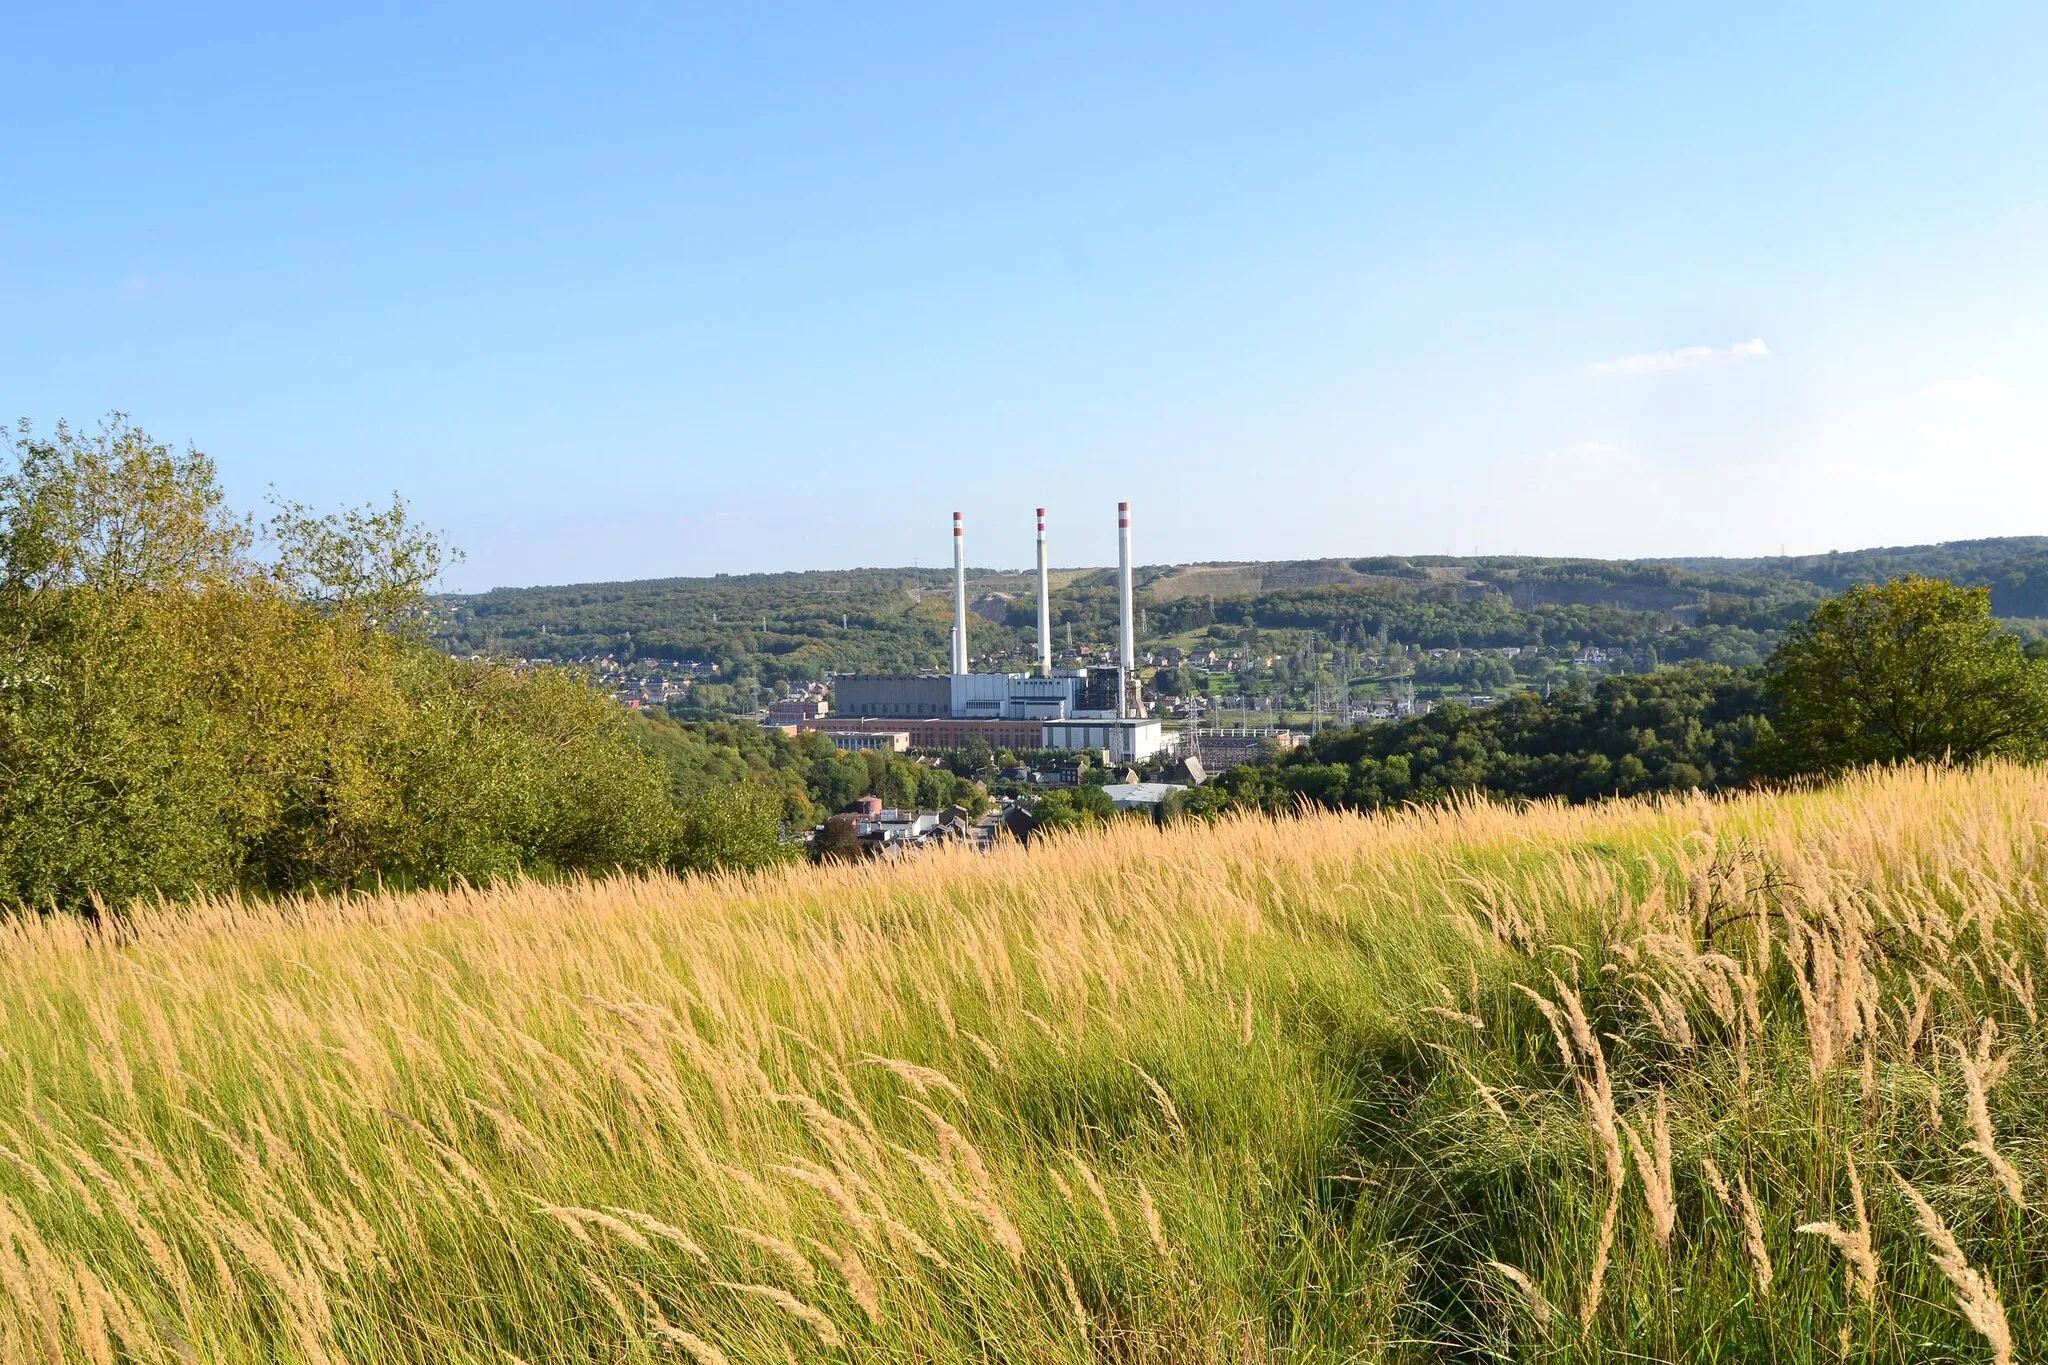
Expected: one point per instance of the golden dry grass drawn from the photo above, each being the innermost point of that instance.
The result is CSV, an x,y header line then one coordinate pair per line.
x,y
1329,1088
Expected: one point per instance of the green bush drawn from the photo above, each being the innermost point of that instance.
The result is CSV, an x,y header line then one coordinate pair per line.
x,y
737,827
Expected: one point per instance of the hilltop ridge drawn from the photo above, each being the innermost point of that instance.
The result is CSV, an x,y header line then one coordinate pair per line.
x,y
804,624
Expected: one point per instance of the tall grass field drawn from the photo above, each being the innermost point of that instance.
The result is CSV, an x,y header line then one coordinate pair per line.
x,y
1758,1079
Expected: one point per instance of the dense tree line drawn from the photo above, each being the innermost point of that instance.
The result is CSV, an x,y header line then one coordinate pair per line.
x,y
1692,726
1912,670
2013,568
192,702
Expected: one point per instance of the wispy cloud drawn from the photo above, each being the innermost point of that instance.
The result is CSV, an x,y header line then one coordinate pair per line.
x,y
1684,358
136,288
1976,389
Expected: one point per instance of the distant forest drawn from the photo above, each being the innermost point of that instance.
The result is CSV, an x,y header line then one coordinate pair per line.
x,y
799,626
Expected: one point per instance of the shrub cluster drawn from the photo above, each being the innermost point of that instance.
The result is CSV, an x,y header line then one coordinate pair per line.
x,y
186,705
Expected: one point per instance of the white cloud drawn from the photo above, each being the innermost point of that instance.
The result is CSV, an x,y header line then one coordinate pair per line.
x,y
1684,358
136,288
1976,389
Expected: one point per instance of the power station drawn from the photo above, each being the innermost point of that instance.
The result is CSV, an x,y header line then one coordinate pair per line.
x,y
1094,708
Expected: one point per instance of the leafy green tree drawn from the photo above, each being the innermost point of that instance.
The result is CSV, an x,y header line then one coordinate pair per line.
x,y
375,561
112,549
837,842
976,758
737,827
1081,807
114,511
937,788
1914,669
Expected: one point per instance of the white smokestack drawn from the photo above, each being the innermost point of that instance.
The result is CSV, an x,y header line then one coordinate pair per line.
x,y
1044,605
1126,642
959,597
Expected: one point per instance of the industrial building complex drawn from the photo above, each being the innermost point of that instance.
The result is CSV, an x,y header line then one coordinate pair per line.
x,y
1094,708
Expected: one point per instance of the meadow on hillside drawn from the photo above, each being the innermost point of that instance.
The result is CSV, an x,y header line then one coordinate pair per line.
x,y
1755,1078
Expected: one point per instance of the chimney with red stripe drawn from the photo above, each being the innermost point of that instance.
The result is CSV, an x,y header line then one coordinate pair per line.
x,y
1044,605
1127,648
959,597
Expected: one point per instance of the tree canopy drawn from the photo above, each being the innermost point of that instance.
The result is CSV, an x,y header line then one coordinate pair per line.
x,y
1915,669
181,713
1679,729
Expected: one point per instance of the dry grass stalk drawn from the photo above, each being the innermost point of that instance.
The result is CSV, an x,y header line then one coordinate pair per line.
x,y
1596,1282
1858,1255
1101,1196
825,1183
904,1237
984,1201
1914,1022
1164,1101
1653,1163
922,1079
1487,1094
700,1350
1532,1297
859,1283
627,1323
782,1251
1581,1051
1717,1182
1753,1236
1549,1011
1471,1021
1980,1072
1074,1304
27,1167
1976,1296
1154,1224
827,1330
576,1220
665,1231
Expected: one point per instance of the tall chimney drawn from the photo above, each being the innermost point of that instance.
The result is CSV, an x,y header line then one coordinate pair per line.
x,y
1127,649
959,597
1044,605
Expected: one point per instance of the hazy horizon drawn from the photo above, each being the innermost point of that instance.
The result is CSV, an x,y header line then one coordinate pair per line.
x,y
1142,564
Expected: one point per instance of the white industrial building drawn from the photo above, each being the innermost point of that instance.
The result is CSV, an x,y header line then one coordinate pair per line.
x,y
1098,709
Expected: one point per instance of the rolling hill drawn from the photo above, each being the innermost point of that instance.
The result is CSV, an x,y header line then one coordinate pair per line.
x,y
802,625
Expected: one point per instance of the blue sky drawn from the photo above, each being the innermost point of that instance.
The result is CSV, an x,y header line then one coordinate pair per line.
x,y
635,293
